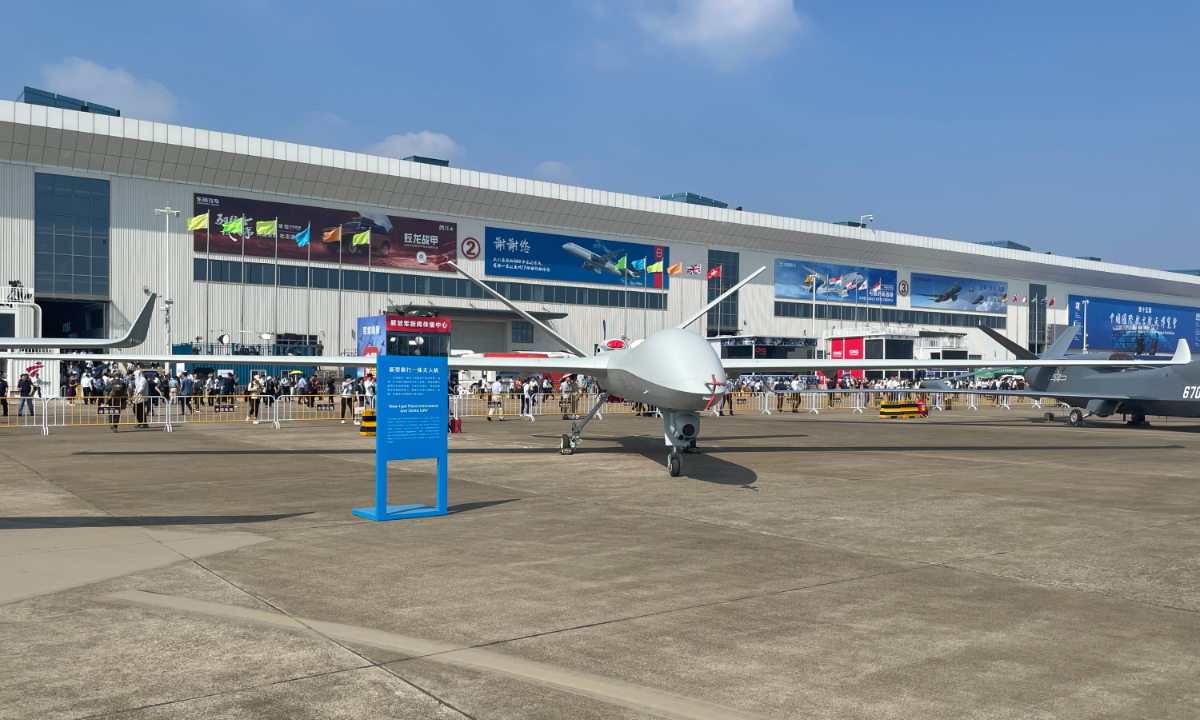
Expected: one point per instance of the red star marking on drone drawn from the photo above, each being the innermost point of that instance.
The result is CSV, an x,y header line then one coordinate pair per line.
x,y
713,386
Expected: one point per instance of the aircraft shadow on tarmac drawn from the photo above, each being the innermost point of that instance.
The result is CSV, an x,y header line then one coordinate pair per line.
x,y
697,466
18,523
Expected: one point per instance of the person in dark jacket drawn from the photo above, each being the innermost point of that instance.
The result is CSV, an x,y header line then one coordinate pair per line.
x,y
27,389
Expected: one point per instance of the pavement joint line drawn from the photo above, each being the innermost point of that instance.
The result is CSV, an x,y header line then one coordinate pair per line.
x,y
236,691
328,639
661,703
1068,588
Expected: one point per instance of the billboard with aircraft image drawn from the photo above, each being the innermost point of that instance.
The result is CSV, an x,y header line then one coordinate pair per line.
x,y
548,256
944,292
1132,326
834,283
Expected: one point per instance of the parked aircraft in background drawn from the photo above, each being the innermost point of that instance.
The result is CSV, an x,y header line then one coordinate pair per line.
x,y
1133,388
136,336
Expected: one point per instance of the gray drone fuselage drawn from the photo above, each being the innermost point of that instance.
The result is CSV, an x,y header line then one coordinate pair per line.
x,y
1172,390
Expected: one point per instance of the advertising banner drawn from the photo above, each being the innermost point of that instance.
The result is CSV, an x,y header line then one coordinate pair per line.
x,y
372,338
943,292
392,242
1134,327
834,283
546,256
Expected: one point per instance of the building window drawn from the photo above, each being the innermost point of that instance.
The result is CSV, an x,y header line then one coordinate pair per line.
x,y
293,276
522,332
723,319
889,315
260,273
70,236
324,278
1037,318
401,284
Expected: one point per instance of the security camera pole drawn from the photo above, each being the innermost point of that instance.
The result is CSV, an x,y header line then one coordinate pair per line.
x,y
167,301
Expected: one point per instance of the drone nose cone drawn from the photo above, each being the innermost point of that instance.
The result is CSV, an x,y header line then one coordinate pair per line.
x,y
677,365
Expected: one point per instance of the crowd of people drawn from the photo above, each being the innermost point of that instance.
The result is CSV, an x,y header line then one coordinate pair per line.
x,y
118,389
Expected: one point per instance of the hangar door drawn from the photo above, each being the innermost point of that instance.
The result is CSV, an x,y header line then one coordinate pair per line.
x,y
478,335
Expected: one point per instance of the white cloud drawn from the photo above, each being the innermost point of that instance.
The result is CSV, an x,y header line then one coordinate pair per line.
x,y
424,143
554,171
728,32
116,87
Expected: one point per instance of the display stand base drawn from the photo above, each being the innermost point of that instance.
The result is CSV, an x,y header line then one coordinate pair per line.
x,y
398,512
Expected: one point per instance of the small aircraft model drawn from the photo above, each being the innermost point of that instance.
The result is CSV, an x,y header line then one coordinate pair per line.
x,y
978,299
136,336
1136,389
601,263
949,294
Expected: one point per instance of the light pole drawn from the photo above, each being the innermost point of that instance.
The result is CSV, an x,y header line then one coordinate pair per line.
x,y
167,301
1085,304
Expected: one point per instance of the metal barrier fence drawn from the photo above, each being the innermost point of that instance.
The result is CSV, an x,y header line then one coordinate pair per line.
x,y
46,413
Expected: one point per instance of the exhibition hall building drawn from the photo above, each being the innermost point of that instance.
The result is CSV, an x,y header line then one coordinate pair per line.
x,y
270,247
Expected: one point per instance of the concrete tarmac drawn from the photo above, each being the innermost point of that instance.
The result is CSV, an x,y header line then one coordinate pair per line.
x,y
973,565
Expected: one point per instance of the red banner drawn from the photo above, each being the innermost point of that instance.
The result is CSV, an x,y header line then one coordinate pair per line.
x,y
408,323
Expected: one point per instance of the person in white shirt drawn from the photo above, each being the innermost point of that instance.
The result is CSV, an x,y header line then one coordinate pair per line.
x,y
347,398
496,402
369,389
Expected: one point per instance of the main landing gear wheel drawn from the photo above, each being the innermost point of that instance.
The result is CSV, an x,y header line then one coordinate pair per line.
x,y
1137,420
674,464
564,445
1075,417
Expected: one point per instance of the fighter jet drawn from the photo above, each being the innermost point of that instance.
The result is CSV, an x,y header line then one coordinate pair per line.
x,y
950,293
136,336
674,369
601,263
1136,389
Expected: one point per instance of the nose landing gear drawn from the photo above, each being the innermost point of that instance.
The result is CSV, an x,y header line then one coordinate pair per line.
x,y
674,464
568,443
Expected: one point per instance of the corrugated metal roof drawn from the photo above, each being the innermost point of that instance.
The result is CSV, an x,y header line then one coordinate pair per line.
x,y
139,148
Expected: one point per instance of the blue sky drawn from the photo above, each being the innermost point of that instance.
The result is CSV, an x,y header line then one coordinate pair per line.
x,y
1070,127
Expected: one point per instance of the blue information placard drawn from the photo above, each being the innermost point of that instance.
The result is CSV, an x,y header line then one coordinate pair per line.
x,y
410,424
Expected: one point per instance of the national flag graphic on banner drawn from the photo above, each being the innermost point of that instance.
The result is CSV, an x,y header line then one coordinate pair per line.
x,y
233,227
302,237
654,268
675,269
362,238
694,269
200,222
714,272
265,228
